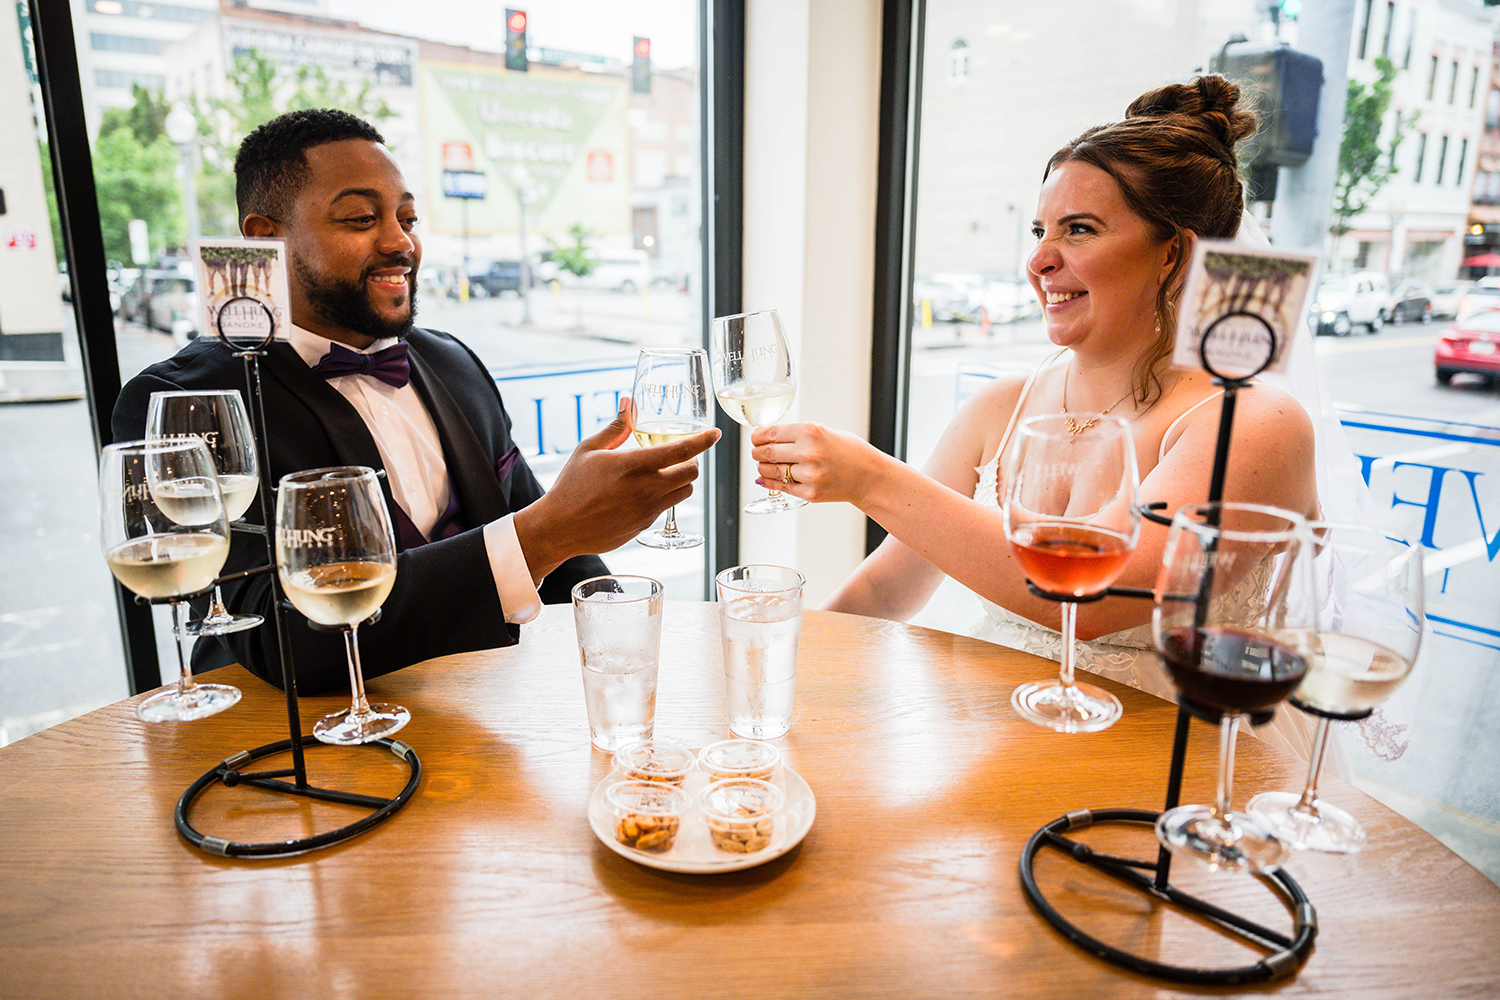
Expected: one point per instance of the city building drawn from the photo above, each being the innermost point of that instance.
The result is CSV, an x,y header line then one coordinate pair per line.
x,y
1415,225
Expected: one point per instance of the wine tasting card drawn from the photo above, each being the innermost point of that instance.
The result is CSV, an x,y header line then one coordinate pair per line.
x,y
1247,301
242,289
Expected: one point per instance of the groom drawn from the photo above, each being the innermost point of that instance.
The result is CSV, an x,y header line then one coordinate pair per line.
x,y
481,545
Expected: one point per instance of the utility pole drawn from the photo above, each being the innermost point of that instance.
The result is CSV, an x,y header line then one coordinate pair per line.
x,y
1304,194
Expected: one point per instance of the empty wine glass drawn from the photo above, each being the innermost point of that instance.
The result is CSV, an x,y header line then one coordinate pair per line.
x,y
336,557
217,418
1072,518
164,534
1370,626
671,403
753,380
1233,622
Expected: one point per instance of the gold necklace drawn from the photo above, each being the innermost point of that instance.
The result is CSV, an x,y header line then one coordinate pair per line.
x,y
1073,426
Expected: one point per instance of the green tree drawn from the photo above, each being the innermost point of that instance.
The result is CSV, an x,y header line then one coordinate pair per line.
x,y
44,152
137,181
146,117
135,176
1365,164
577,259
257,92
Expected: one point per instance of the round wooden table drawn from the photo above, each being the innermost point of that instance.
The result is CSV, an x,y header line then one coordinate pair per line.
x,y
491,882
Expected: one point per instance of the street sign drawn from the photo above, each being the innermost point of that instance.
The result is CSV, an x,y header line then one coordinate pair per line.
x,y
463,184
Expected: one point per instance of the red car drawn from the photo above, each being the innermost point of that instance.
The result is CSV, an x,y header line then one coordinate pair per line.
x,y
1471,344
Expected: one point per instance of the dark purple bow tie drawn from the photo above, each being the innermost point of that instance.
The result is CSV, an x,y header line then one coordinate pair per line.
x,y
389,364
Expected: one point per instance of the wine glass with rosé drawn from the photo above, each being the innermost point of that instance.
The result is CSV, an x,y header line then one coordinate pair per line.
x,y
1234,622
336,558
1370,629
1071,502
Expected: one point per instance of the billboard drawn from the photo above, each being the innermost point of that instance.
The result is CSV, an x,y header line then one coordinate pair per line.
x,y
565,129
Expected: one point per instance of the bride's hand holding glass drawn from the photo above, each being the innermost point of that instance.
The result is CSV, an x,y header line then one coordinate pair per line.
x,y
755,383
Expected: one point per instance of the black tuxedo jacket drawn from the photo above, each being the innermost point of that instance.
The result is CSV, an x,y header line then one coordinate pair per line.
x,y
444,598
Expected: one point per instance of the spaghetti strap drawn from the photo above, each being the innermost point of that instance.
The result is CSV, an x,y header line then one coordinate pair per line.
x,y
1015,415
1162,453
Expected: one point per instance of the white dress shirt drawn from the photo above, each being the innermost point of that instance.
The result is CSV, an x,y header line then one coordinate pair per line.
x,y
412,454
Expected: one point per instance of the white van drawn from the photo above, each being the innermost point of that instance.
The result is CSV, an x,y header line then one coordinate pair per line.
x,y
626,271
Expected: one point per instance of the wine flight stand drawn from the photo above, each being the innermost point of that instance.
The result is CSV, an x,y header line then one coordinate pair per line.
x,y
227,772
1286,953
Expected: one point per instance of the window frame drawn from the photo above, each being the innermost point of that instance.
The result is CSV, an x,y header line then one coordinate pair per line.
x,y
722,100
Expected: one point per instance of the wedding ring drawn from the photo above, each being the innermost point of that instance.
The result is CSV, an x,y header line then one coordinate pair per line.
x,y
786,474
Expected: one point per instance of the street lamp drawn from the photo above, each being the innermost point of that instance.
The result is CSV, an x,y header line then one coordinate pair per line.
x,y
182,129
520,179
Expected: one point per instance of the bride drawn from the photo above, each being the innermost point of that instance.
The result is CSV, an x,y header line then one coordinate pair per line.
x,y
1118,212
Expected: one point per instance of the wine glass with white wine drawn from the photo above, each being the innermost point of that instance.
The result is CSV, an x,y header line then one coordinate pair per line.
x,y
164,535
336,558
671,403
1370,630
754,381
217,418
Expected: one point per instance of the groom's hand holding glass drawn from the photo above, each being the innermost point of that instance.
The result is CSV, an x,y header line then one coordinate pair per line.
x,y
605,496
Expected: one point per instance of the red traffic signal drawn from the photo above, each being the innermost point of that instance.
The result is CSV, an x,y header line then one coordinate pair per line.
x,y
640,69
515,40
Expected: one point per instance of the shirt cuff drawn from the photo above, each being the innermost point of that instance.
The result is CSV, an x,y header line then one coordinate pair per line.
x,y
513,583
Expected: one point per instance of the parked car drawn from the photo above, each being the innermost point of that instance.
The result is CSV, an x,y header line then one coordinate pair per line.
x,y
1477,299
952,297
165,300
1007,298
1446,297
492,277
1345,301
1411,300
1471,344
172,306
625,271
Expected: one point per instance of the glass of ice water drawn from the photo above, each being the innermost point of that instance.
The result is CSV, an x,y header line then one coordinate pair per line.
x,y
619,640
760,611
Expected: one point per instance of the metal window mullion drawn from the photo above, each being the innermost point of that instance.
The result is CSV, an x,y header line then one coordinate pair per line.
x,y
895,232
722,49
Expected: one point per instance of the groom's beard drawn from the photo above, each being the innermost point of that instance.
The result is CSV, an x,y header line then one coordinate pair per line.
x,y
347,303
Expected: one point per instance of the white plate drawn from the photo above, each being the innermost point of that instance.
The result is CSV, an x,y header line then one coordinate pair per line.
x,y
694,853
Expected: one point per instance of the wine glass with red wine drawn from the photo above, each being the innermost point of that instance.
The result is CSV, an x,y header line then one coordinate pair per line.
x,y
1370,627
1072,518
1235,623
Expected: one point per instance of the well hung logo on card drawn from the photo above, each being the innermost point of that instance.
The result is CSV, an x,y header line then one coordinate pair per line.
x,y
242,290
1240,308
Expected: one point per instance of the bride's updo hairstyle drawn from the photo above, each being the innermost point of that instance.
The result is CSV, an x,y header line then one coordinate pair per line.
x,y
1174,158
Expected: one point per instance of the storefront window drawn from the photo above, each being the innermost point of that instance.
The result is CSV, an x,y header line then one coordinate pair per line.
x,y
583,136
1426,447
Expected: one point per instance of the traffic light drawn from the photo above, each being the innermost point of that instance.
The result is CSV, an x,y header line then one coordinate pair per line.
x,y
1283,86
515,40
640,69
